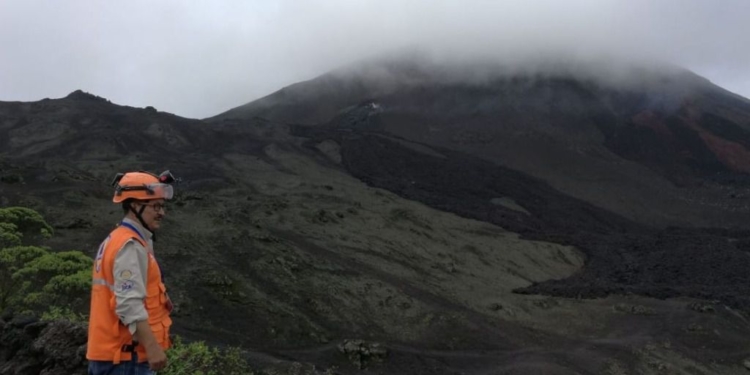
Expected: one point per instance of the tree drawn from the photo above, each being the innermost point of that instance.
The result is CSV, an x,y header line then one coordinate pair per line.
x,y
34,278
19,223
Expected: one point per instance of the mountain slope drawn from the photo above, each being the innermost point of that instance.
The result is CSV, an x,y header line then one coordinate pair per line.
x,y
288,239
267,236
659,146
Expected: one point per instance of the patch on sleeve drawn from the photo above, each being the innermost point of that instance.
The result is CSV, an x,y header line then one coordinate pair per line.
x,y
125,286
126,274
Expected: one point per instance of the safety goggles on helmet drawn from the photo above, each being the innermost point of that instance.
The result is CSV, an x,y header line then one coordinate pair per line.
x,y
157,190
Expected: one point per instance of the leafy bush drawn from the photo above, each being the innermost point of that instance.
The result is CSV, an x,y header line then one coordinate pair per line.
x,y
9,235
63,313
20,222
34,278
197,358
56,279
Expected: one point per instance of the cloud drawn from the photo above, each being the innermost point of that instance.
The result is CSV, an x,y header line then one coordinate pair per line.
x,y
199,58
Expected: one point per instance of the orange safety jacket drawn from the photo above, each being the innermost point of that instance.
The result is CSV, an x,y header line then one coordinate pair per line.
x,y
109,339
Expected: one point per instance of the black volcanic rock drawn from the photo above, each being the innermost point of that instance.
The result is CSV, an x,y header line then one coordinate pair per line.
x,y
28,346
83,96
624,256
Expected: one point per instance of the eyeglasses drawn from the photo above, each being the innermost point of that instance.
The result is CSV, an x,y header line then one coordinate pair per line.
x,y
157,206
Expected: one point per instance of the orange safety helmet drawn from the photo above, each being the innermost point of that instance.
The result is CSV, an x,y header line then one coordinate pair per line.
x,y
142,186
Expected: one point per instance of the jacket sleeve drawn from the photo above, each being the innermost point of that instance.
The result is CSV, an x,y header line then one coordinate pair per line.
x,y
130,272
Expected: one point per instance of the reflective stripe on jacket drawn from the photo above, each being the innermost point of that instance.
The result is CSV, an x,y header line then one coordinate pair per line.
x,y
108,336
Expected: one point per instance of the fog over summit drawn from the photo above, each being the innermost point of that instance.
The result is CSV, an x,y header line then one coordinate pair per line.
x,y
445,66
198,60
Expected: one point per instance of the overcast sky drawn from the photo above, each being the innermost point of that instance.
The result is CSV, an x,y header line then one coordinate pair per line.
x,y
199,58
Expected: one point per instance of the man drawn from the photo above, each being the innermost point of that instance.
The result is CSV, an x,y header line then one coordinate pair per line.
x,y
129,319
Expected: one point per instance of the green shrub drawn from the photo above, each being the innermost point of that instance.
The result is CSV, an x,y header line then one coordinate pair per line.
x,y
35,279
9,235
197,358
63,313
25,222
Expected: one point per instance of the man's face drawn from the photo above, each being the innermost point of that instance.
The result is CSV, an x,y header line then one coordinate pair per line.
x,y
154,211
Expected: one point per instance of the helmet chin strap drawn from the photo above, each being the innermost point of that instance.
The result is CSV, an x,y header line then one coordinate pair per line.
x,y
140,219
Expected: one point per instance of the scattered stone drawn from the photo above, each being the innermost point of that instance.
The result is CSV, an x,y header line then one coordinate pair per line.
x,y
22,321
11,179
702,307
35,328
634,309
546,303
323,217
695,327
362,353
75,223
612,367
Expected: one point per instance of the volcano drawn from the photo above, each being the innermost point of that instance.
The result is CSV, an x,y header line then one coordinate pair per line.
x,y
468,219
